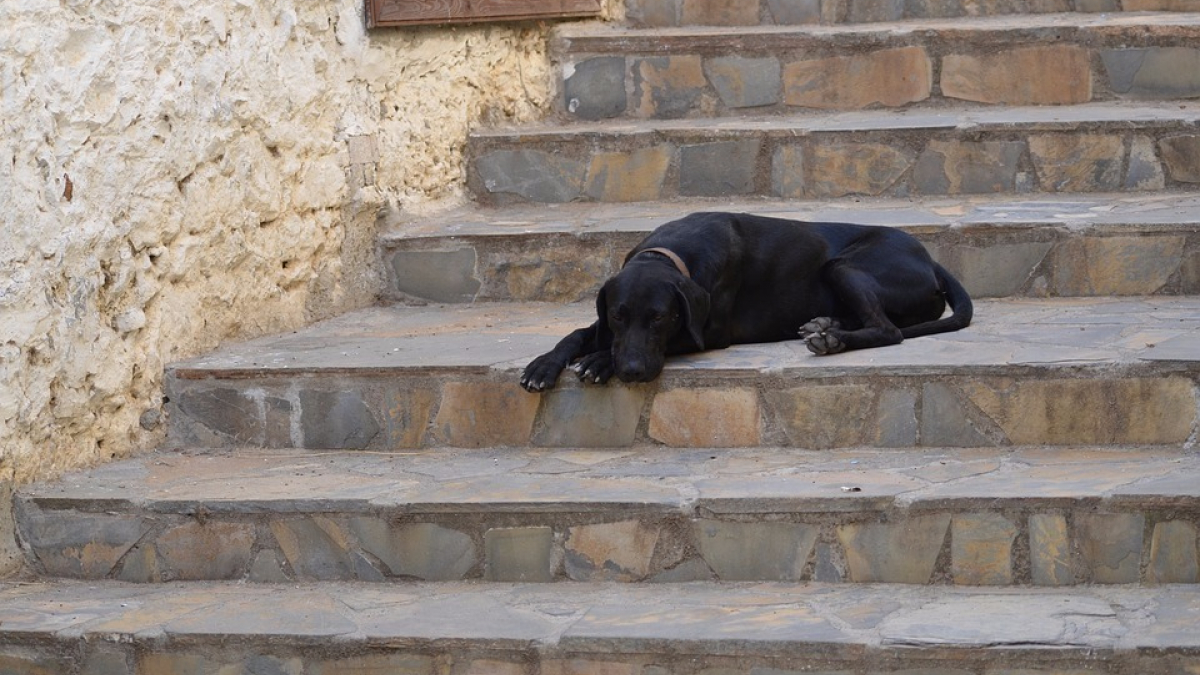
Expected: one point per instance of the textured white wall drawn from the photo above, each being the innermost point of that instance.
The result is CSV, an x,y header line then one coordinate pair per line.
x,y
174,174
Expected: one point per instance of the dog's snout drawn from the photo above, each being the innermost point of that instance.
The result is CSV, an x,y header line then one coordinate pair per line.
x,y
632,370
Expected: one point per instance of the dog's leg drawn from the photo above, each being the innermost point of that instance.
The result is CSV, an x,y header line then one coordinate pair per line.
x,y
856,291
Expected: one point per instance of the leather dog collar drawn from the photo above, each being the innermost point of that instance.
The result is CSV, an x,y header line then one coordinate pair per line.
x,y
679,264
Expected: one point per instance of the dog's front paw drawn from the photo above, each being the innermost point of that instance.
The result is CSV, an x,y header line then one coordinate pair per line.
x,y
820,336
596,367
541,373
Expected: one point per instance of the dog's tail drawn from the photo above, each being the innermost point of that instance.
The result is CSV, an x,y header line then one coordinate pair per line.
x,y
960,304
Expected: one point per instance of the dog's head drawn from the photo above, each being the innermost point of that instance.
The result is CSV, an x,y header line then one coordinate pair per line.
x,y
647,308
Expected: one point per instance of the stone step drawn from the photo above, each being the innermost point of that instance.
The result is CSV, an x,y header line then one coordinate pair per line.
x,y
1061,245
995,516
534,629
1027,372
1097,147
1057,59
667,13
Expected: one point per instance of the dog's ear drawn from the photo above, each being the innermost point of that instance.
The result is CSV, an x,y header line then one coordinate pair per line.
x,y
602,314
694,302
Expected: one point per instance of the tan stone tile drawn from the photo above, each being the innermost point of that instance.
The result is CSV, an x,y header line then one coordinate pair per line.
x,y
720,12
1038,75
899,551
586,667
721,418
804,414
210,551
667,87
610,551
1161,5
492,667
1078,162
410,411
482,414
1105,266
1173,554
1110,545
853,168
787,172
628,177
981,549
376,664
1072,412
968,167
1182,157
888,77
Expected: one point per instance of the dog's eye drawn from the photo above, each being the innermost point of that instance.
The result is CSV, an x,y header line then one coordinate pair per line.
x,y
656,318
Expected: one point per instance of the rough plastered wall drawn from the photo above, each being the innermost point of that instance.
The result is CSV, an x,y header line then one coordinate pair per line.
x,y
178,173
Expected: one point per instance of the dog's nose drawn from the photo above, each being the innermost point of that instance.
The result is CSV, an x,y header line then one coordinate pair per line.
x,y
632,370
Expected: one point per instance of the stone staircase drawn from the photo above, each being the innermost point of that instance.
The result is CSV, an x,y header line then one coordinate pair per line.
x,y
375,494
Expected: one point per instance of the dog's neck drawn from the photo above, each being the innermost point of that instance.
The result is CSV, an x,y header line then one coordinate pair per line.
x,y
678,262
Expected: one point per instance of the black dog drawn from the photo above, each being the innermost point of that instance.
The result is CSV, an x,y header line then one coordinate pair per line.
x,y
711,280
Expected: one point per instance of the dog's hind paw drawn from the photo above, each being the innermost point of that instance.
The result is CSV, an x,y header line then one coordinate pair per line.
x,y
818,326
818,337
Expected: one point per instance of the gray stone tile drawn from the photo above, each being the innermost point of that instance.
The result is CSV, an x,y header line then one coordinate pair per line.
x,y
535,175
1110,545
794,12
440,276
718,169
316,548
945,421
422,550
755,551
595,88
225,411
743,82
1154,72
338,420
519,554
590,417
79,545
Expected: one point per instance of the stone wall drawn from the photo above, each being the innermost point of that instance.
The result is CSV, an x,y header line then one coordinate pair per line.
x,y
174,175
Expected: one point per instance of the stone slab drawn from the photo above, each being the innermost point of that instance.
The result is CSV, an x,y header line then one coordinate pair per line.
x,y
960,150
765,514
1067,245
597,628
1057,371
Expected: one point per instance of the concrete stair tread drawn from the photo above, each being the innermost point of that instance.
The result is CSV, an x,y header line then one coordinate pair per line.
x,y
813,624
1009,335
651,480
1123,115
604,37
1140,211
